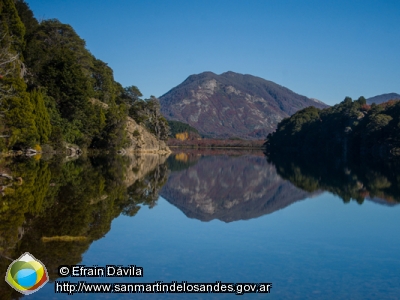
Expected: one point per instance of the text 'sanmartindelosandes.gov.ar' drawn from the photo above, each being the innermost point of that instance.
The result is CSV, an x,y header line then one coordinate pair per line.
x,y
27,275
141,287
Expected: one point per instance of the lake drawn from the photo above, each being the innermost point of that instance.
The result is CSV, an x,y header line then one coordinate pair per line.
x,y
313,230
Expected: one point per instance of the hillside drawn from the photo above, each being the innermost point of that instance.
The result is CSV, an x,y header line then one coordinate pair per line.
x,y
351,128
232,104
383,98
50,85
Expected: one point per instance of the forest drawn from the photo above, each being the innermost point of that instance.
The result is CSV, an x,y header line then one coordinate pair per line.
x,y
348,129
53,91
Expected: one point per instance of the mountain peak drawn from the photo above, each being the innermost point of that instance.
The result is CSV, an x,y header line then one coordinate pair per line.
x,y
230,74
383,98
232,104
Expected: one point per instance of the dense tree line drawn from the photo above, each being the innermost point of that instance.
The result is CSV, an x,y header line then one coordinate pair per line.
x,y
215,143
177,127
52,89
349,128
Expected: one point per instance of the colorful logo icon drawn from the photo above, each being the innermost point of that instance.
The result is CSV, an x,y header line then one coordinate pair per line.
x,y
27,274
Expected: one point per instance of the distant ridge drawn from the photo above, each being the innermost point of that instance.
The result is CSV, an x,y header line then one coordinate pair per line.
x,y
383,98
232,104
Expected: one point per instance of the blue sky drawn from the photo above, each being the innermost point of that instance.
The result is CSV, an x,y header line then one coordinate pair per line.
x,y
321,49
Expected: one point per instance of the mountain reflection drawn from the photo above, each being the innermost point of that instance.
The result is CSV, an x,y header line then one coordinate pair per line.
x,y
57,209
358,179
227,187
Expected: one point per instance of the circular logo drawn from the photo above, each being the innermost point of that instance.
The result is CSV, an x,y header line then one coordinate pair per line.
x,y
27,274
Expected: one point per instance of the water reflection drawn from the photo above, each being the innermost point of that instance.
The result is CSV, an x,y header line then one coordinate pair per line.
x,y
229,186
377,181
55,208
59,208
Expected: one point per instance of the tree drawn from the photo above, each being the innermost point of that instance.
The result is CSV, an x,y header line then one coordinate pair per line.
x,y
11,25
131,94
347,101
104,86
362,101
26,16
114,134
42,118
19,118
148,113
12,32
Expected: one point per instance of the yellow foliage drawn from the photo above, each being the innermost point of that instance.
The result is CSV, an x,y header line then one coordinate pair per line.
x,y
182,136
37,156
181,157
8,191
64,238
37,148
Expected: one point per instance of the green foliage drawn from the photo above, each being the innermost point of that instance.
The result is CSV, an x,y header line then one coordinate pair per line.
x,y
179,127
147,112
18,117
131,94
58,60
362,100
11,26
67,84
104,87
47,45
70,89
26,16
16,120
114,134
349,128
42,118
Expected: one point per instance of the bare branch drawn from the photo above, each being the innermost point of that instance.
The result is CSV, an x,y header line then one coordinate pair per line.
x,y
9,59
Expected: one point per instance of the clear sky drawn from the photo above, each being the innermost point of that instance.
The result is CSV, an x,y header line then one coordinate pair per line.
x,y
321,49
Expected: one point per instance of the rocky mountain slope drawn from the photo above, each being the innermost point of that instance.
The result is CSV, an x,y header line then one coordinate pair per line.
x,y
139,137
383,98
232,104
141,140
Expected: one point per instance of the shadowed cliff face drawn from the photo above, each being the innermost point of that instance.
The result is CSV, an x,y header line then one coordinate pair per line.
x,y
230,189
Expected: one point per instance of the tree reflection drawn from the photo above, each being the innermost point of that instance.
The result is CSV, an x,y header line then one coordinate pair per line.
x,y
351,180
62,207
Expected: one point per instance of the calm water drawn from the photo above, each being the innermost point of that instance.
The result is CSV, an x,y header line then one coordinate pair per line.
x,y
207,217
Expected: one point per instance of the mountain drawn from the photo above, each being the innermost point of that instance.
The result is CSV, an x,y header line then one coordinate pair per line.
x,y
229,188
232,104
383,98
